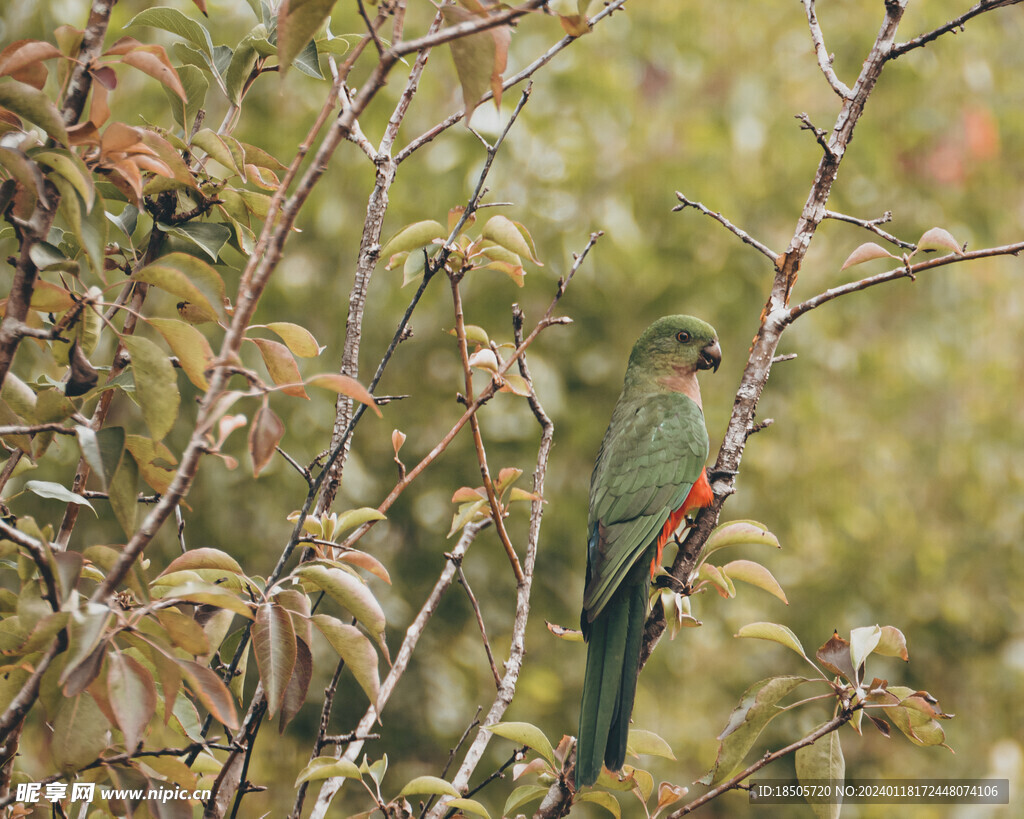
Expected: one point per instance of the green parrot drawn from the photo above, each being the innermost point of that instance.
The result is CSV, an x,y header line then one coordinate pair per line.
x,y
649,475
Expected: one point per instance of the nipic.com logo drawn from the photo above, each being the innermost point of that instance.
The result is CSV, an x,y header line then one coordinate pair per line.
x,y
53,792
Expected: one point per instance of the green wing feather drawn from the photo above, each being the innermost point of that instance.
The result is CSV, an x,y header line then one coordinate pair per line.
x,y
653,452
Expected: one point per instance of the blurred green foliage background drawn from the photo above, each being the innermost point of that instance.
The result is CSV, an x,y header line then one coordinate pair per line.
x,y
893,474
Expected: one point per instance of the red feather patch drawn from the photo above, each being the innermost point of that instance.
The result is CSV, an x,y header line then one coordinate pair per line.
x,y
700,495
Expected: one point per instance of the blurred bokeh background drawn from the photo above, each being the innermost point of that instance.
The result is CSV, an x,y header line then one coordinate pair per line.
x,y
893,474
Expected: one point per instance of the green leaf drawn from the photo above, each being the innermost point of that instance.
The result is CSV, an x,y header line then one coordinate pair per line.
x,y
215,147
204,558
190,279
469,806
523,733
102,450
862,642
479,58
755,710
35,106
774,632
327,767
70,166
172,20
429,786
156,385
355,649
156,462
209,237
281,365
891,644
298,21
748,571
414,236
189,345
308,61
95,229
49,489
738,533
349,591
352,518
509,235
297,338
79,733
196,85
602,798
649,743
274,643
522,795
242,61
822,761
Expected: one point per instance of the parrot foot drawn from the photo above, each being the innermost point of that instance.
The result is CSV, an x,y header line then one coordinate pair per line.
x,y
715,474
667,581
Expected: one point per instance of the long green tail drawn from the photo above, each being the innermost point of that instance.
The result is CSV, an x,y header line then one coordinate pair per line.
x,y
613,665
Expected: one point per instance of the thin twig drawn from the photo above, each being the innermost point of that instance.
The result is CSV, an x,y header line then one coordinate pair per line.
x,y
718,217
873,226
833,724
480,623
953,26
824,58
901,272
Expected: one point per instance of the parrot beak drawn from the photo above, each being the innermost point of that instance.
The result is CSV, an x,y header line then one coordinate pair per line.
x,y
710,357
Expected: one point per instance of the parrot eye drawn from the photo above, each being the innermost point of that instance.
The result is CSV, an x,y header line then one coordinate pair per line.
x,y
682,337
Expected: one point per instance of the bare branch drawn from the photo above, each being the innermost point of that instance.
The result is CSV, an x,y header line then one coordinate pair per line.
x,y
742,234
824,58
833,724
480,623
873,226
903,272
953,26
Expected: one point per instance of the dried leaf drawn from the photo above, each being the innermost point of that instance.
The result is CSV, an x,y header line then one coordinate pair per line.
x,y
265,434
937,238
152,60
281,366
346,385
479,58
865,253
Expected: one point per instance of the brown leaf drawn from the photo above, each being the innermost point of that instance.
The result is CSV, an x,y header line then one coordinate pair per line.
x,y
265,434
835,656
865,253
479,58
282,367
23,53
83,374
34,74
152,60
119,138
937,238
99,108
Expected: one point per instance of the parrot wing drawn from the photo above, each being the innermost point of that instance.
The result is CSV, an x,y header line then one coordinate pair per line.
x,y
652,454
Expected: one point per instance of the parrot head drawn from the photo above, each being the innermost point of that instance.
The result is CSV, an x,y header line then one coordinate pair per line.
x,y
671,351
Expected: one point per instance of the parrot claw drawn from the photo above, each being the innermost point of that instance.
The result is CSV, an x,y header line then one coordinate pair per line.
x,y
667,581
716,474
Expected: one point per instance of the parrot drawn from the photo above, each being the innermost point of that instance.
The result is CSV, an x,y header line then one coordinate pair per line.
x,y
648,476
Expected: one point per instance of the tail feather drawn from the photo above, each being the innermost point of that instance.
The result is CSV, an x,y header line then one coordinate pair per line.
x,y
609,686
